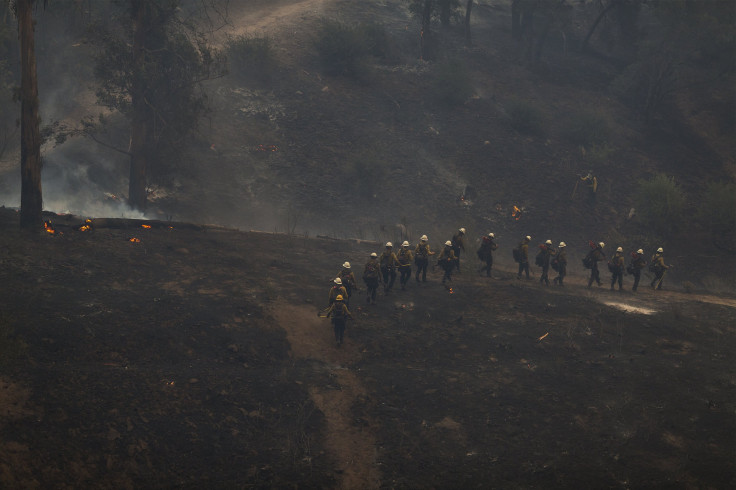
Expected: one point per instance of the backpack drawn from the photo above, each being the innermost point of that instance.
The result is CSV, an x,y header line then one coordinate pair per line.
x,y
404,257
517,254
338,311
371,271
539,259
588,260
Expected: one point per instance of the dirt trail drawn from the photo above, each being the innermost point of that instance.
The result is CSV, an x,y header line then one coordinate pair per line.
x,y
270,16
352,447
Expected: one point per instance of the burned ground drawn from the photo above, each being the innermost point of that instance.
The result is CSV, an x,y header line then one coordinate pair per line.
x,y
195,358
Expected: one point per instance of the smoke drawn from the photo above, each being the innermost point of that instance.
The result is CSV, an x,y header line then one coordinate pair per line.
x,y
77,181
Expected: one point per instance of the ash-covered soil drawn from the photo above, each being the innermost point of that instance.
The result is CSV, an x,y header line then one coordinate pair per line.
x,y
194,358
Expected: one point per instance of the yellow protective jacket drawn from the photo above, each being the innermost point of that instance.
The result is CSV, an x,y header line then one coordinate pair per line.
x,y
335,290
447,254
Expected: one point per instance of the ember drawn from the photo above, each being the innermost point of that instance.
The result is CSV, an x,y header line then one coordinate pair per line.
x,y
451,290
48,227
135,240
146,226
267,148
516,213
86,226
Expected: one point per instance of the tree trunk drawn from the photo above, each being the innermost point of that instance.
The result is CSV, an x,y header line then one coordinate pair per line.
x,y
516,20
603,13
138,134
31,198
426,35
445,13
468,36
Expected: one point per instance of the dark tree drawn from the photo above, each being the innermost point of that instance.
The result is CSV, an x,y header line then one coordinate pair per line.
x,y
31,199
150,69
468,10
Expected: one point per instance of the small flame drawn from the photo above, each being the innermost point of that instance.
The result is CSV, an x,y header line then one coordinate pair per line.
x,y
516,213
135,240
86,226
48,227
451,290
146,226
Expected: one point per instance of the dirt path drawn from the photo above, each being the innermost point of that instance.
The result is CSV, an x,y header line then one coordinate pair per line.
x,y
351,446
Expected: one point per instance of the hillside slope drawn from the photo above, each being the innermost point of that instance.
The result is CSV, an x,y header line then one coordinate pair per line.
x,y
195,358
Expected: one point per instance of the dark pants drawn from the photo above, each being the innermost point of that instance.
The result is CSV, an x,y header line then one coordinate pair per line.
x,y
371,284
658,277
422,267
617,276
595,275
448,266
405,275
339,325
545,275
561,273
456,265
389,276
523,267
489,265
637,276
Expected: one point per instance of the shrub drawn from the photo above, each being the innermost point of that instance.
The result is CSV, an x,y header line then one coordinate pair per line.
x,y
251,57
660,203
718,208
342,48
452,83
525,117
587,129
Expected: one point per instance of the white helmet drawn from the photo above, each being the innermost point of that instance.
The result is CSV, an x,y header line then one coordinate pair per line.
x,y
492,235
562,245
640,251
620,249
601,244
424,238
660,250
405,244
389,244
548,242
529,238
374,254
462,230
338,281
346,265
448,243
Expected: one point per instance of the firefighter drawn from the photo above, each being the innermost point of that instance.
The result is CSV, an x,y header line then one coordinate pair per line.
x,y
523,249
561,260
404,257
635,267
336,290
617,268
348,281
458,245
591,181
594,256
447,261
485,253
546,251
371,277
339,313
421,257
659,268
388,262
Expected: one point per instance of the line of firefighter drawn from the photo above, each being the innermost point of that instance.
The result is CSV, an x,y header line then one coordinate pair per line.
x,y
381,270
